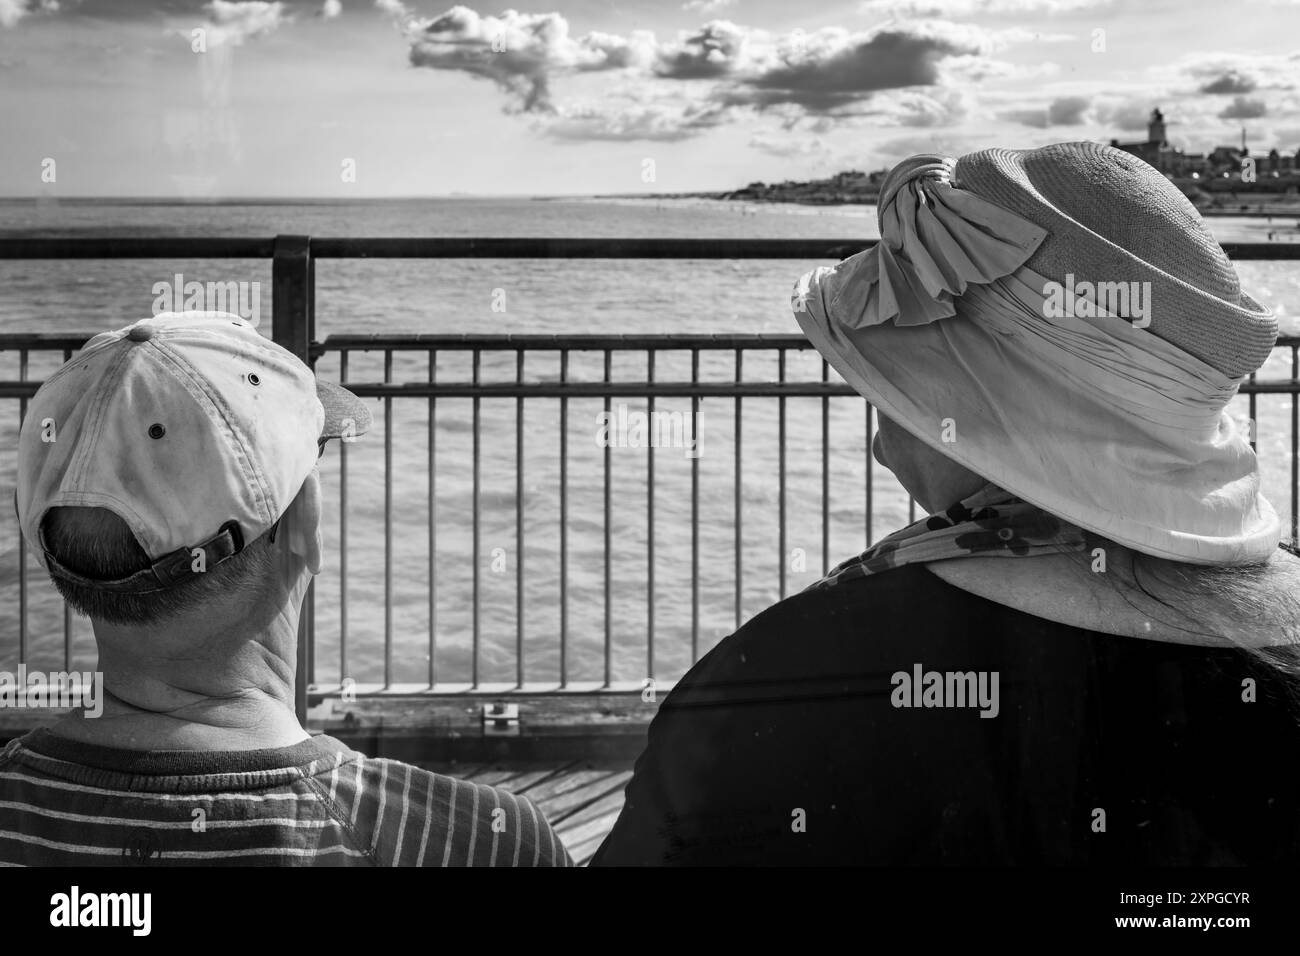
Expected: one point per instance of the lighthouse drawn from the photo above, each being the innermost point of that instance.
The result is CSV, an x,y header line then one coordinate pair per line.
x,y
1156,129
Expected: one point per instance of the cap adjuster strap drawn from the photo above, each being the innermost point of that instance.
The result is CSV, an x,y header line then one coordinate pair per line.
x,y
167,571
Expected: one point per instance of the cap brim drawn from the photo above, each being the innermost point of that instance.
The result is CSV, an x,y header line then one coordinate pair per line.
x,y
345,414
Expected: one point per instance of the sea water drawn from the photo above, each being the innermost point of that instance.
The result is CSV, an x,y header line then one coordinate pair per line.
x,y
533,296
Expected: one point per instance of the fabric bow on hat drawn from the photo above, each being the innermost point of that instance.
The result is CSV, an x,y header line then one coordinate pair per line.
x,y
935,240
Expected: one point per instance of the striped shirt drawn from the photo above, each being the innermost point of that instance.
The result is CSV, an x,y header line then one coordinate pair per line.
x,y
316,803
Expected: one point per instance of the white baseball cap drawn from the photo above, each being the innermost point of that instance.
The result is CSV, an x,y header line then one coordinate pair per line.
x,y
192,427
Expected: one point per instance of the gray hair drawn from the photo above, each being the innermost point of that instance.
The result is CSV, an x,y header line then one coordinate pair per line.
x,y
1252,606
97,543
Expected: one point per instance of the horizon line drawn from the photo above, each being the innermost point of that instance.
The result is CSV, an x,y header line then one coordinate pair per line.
x,y
200,200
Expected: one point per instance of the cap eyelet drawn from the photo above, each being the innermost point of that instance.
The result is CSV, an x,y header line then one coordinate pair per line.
x,y
156,431
253,378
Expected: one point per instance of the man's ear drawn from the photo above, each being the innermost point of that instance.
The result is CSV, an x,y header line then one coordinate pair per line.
x,y
301,525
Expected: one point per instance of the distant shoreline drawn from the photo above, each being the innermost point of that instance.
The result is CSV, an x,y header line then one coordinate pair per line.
x,y
1222,205
1233,206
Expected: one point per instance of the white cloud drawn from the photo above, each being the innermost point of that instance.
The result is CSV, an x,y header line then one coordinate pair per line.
x,y
1243,107
717,49
656,121
331,9
790,146
231,23
1062,111
11,11
1263,70
923,108
1126,117
971,8
1229,81
725,66
885,154
707,6
520,52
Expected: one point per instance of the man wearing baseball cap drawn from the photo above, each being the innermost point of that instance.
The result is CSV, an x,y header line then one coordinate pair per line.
x,y
167,482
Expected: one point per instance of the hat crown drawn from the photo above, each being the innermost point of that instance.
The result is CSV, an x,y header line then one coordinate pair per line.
x,y
1127,202
178,424
1112,218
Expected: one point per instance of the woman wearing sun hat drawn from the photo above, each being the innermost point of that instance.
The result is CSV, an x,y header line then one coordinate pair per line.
x,y
1058,662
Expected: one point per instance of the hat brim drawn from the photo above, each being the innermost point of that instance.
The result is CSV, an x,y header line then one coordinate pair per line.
x,y
346,415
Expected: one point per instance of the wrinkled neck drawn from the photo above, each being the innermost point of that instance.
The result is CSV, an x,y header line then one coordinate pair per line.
x,y
197,683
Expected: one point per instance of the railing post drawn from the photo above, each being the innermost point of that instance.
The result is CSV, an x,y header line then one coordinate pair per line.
x,y
293,319
293,326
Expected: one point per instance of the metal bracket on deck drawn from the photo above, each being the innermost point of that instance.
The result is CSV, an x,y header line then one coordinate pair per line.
x,y
501,720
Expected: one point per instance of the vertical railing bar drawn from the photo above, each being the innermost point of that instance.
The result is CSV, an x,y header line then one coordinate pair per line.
x,y
1254,423
293,327
870,461
608,591
519,523
1295,453
564,523
475,526
67,611
309,616
342,539
826,473
388,523
22,550
780,471
308,612
695,512
433,522
650,526
736,504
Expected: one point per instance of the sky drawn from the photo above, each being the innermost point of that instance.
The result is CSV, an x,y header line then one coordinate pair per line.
x,y
366,99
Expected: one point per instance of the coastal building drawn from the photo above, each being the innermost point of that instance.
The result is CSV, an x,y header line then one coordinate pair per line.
x,y
1277,170
1155,149
1280,164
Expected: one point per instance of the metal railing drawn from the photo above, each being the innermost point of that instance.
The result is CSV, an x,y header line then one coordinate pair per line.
x,y
564,390
293,274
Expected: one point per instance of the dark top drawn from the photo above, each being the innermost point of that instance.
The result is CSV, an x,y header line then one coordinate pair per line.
x,y
785,744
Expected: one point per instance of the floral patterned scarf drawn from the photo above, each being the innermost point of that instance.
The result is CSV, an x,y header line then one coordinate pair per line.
x,y
990,523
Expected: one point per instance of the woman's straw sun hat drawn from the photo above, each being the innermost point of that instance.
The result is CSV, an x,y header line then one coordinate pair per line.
x,y
1113,421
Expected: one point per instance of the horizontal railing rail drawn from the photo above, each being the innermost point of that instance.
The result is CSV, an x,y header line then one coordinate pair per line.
x,y
486,248
294,327
416,342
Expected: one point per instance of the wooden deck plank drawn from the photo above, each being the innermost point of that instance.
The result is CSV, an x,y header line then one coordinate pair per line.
x,y
584,839
591,819
586,830
583,852
523,782
516,777
560,808
569,781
